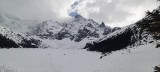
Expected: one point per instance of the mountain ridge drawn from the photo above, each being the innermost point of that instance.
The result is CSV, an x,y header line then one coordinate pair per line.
x,y
142,32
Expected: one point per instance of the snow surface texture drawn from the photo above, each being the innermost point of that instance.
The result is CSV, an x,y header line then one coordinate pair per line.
x,y
140,59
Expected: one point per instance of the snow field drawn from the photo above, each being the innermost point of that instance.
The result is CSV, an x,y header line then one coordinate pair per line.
x,y
140,59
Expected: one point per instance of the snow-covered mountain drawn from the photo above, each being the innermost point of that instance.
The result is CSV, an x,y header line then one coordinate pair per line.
x,y
77,29
146,30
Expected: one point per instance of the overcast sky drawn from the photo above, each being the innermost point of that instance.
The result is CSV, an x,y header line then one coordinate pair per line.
x,y
112,12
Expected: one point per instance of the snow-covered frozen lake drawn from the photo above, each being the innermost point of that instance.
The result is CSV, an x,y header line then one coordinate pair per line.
x,y
141,59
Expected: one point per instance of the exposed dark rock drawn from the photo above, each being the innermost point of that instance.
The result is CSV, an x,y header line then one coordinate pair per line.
x,y
158,45
102,25
7,43
115,28
31,43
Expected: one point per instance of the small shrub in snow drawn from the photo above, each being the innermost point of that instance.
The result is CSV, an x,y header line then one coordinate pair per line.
x,y
157,69
158,45
6,69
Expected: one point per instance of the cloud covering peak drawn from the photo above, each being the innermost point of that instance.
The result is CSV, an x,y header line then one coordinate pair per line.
x,y
73,11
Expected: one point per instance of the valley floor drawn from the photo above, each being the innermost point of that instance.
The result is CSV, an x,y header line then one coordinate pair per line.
x,y
140,59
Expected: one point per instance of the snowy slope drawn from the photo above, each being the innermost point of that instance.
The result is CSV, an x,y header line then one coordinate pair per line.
x,y
140,59
17,39
64,44
128,36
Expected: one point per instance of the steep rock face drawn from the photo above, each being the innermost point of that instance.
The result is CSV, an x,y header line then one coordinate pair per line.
x,y
47,29
75,29
147,30
87,30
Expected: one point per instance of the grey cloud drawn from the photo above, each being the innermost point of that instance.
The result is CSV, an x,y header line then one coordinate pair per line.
x,y
114,13
110,13
32,9
120,11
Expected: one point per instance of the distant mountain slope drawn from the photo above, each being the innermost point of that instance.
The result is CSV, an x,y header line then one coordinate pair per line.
x,y
147,30
10,39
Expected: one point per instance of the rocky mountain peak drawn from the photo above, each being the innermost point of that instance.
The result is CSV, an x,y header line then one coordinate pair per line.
x,y
102,25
